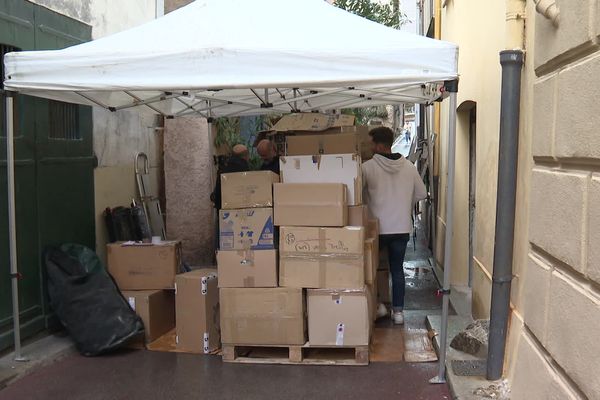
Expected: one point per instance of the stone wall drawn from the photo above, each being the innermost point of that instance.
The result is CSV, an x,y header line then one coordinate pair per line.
x,y
188,166
557,350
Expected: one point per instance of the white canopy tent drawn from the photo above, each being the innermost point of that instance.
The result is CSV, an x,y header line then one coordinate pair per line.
x,y
237,57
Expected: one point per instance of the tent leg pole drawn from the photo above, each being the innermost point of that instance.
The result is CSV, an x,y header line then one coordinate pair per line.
x,y
12,226
441,377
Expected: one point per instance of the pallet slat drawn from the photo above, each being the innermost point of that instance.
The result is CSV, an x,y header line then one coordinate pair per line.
x,y
297,355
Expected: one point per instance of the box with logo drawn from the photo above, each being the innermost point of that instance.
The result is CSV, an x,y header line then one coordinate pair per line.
x,y
325,168
247,268
197,311
338,317
310,204
144,266
255,316
321,257
252,189
249,228
156,308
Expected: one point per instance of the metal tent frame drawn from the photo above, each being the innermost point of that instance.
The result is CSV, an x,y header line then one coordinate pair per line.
x,y
207,112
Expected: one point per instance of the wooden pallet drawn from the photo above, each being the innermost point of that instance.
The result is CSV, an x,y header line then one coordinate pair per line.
x,y
298,355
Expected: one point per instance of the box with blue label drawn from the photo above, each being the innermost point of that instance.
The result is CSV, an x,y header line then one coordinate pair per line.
x,y
248,228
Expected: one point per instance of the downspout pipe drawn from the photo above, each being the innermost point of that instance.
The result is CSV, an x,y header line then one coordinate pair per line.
x,y
512,64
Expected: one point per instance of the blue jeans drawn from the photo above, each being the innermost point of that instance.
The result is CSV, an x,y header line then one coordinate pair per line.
x,y
396,248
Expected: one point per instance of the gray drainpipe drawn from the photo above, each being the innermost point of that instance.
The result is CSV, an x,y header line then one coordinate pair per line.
x,y
512,63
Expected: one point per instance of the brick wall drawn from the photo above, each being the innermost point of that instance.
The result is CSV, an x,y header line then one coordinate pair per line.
x,y
557,354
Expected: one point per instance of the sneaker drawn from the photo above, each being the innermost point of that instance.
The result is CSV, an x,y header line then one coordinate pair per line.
x,y
398,317
381,310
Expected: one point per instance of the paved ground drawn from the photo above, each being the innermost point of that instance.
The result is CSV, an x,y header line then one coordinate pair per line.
x,y
132,375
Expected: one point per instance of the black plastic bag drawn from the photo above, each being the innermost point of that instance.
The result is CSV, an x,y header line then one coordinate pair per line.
x,y
87,302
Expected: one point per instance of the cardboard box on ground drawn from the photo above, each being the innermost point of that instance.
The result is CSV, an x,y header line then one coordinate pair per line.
x,y
156,308
197,311
310,204
312,257
255,316
247,189
144,266
327,168
339,317
247,268
248,228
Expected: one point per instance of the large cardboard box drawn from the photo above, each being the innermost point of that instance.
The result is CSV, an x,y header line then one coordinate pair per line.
x,y
137,266
273,316
384,292
197,311
247,268
247,189
249,228
371,259
338,317
312,122
343,143
321,257
310,204
364,140
156,308
325,168
358,216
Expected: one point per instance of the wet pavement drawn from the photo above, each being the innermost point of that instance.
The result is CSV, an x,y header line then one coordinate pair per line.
x,y
141,374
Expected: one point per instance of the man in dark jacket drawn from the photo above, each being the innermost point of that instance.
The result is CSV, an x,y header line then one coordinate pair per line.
x,y
238,162
267,151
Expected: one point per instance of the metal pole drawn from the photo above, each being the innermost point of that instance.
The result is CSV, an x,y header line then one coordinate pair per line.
x,y
452,87
508,155
12,224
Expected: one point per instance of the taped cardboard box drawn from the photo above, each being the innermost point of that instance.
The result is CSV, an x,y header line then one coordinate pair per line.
x,y
156,308
358,216
325,168
321,257
310,204
343,143
248,228
312,122
144,266
338,317
252,189
247,268
257,316
197,311
384,292
371,262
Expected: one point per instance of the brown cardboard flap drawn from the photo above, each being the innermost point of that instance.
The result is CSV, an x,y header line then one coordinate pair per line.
x,y
252,189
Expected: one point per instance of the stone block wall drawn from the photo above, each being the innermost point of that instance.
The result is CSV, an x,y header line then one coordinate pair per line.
x,y
557,352
188,185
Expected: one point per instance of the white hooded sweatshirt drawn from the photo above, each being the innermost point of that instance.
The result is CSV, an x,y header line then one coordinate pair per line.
x,y
392,187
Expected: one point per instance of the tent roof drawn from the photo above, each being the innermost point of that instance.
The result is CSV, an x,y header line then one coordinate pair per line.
x,y
236,57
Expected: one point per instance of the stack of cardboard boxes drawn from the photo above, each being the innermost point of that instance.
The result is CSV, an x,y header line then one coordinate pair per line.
x,y
254,310
325,246
148,276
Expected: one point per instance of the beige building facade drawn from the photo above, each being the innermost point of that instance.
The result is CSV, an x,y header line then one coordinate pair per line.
x,y
552,351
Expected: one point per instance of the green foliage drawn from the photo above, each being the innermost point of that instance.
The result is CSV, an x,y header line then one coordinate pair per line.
x,y
386,14
364,115
228,134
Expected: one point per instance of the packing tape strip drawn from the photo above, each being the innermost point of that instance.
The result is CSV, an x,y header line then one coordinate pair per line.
x,y
339,334
206,343
322,260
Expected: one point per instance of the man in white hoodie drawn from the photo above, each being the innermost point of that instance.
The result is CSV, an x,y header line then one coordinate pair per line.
x,y
393,186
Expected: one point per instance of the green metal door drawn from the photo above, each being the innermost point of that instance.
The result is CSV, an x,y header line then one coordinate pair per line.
x,y
54,172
